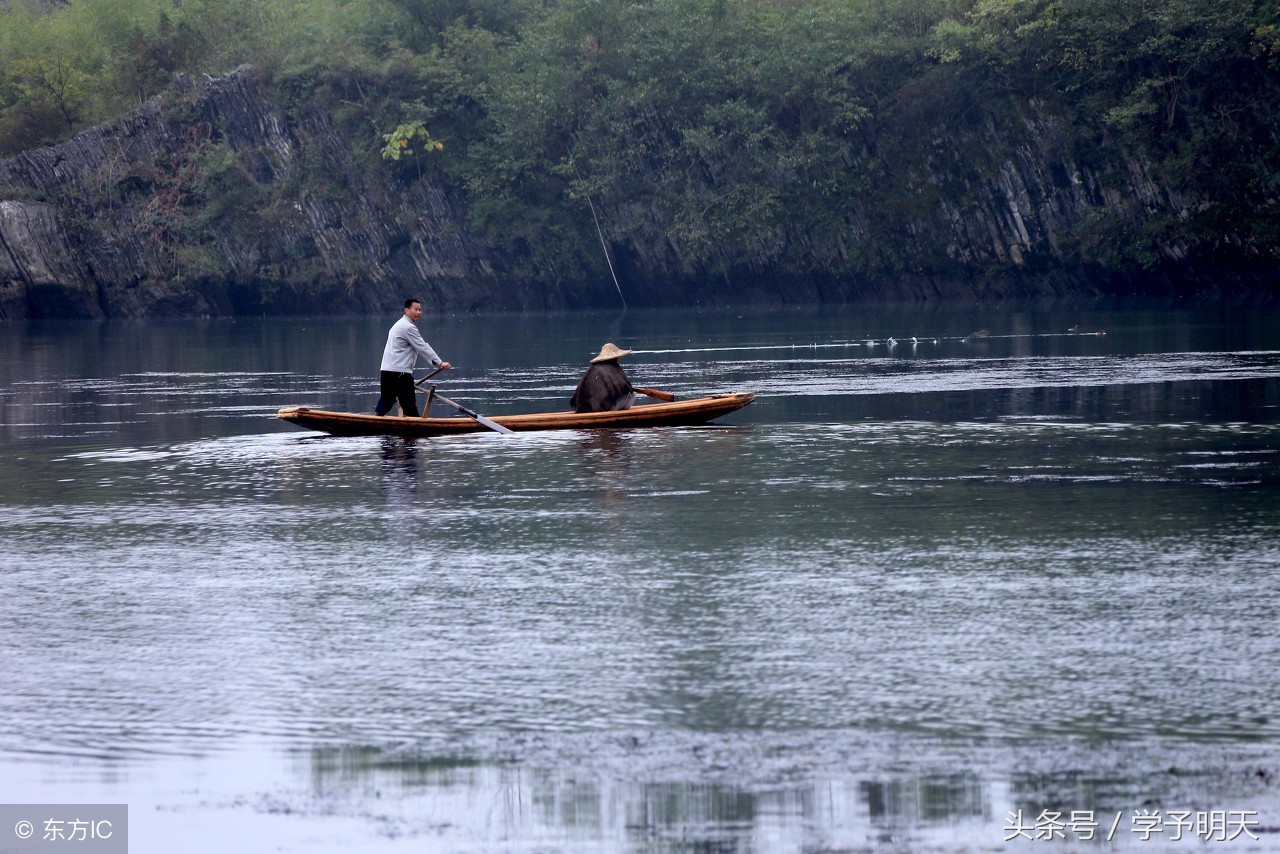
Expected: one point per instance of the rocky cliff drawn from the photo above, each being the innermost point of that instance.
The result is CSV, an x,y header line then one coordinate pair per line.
x,y
220,199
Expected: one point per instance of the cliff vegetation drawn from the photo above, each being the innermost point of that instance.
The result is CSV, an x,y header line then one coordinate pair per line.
x,y
232,156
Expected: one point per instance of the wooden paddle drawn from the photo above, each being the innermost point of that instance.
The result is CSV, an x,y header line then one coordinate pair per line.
x,y
653,392
492,425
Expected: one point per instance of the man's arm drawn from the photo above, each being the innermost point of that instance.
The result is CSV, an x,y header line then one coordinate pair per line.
x,y
415,339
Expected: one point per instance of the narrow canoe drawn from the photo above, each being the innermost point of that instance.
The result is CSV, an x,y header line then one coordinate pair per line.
x,y
681,412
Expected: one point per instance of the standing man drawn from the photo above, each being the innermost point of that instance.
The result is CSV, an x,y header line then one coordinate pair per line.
x,y
404,345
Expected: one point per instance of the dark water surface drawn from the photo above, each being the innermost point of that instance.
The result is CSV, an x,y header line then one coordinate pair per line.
x,y
912,592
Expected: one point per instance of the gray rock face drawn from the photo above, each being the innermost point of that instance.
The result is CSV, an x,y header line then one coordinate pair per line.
x,y
36,262
140,218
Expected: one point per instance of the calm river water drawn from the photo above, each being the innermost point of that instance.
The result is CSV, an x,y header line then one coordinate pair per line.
x,y
915,598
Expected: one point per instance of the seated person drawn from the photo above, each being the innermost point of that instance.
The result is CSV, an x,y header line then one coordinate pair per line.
x,y
604,387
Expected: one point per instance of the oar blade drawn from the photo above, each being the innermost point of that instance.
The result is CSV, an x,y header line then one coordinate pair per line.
x,y
485,422
492,425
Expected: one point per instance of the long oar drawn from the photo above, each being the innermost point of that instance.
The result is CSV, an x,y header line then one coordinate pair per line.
x,y
653,392
492,425
427,377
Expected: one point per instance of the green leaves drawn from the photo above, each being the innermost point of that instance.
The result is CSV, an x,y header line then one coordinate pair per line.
x,y
697,128
408,138
703,133
50,60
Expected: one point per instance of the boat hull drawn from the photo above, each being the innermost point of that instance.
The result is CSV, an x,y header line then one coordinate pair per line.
x,y
678,413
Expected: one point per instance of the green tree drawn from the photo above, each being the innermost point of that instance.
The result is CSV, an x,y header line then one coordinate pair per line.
x,y
409,139
52,58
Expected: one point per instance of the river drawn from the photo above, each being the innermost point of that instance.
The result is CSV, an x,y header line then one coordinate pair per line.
x,y
920,596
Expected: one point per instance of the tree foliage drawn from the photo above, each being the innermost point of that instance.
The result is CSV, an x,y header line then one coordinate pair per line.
x,y
706,131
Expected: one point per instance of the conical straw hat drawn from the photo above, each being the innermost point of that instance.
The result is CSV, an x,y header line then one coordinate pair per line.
x,y
610,351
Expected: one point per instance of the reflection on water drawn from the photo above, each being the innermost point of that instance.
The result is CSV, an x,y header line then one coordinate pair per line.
x,y
908,591
605,458
763,792
399,468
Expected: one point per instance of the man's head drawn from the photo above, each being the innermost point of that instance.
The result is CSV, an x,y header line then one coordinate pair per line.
x,y
412,309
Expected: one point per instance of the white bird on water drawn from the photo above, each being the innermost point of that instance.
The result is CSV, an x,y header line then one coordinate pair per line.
x,y
892,342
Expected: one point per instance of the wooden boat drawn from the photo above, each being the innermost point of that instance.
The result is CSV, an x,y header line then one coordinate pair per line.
x,y
678,413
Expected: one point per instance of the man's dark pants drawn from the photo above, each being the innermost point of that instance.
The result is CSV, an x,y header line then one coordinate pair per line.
x,y
397,387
